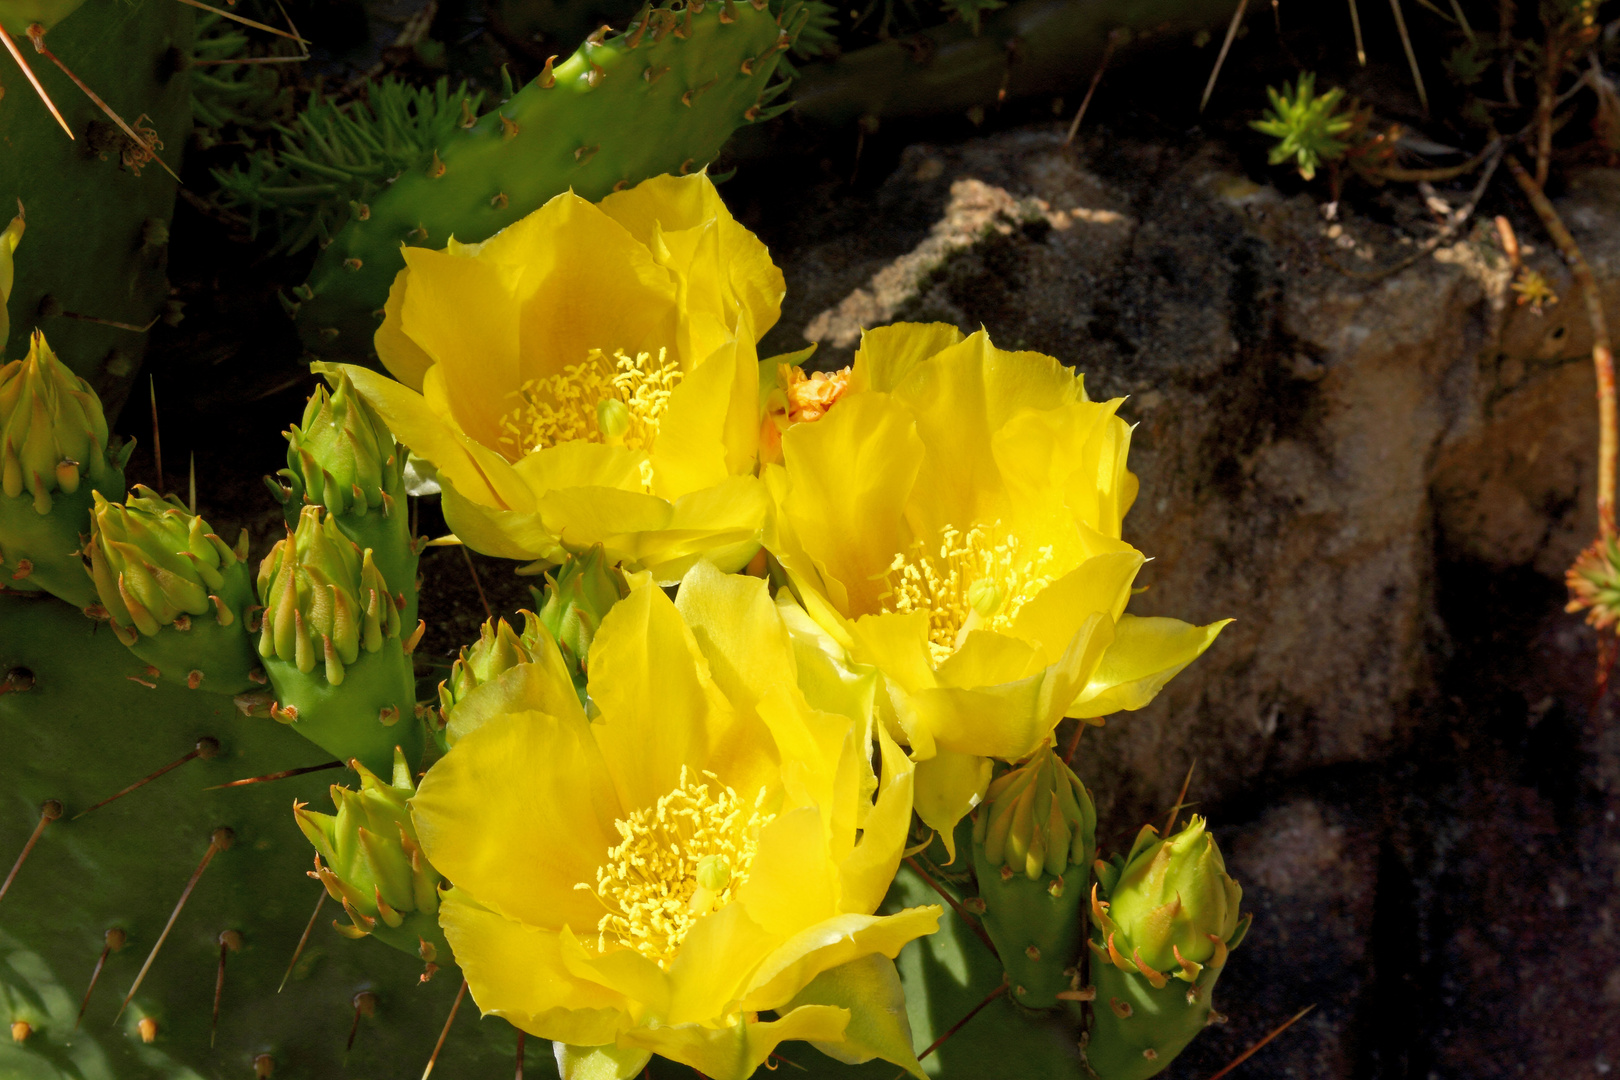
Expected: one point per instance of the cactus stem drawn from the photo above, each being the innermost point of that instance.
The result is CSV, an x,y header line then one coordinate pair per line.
x,y
308,929
33,80
547,78
1250,1052
365,1004
217,842
24,568
264,1066
509,127
691,95
48,813
1087,993
421,628
954,1028
585,153
436,169
36,34
148,1029
277,775
229,942
114,941
521,1035
206,747
446,1032
632,41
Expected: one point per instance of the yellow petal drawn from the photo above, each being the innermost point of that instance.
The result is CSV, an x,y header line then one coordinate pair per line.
x,y
690,453
1146,654
459,313
822,757
988,658
887,354
581,464
660,710
737,627
1055,615
599,1062
517,814
734,1053
793,884
948,785
580,281
515,971
960,397
831,943
505,534
402,356
721,524
866,872
669,204
1074,455
851,473
714,963
622,970
878,1026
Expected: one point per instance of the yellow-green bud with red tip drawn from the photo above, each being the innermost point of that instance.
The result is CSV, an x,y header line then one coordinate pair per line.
x,y
499,649
1172,909
369,859
1037,818
577,596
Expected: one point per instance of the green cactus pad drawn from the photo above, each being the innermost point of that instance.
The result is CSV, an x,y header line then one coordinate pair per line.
x,y
81,731
662,97
97,243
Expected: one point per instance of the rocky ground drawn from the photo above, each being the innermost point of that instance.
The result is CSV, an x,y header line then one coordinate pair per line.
x,y
1380,471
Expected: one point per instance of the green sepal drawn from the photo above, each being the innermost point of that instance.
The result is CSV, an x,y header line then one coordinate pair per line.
x,y
342,456
878,1026
174,592
374,865
577,595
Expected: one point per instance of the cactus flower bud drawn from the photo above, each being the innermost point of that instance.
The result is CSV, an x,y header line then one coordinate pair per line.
x,y
53,457
576,597
343,457
373,864
10,237
175,593
1033,842
332,645
1165,921
504,670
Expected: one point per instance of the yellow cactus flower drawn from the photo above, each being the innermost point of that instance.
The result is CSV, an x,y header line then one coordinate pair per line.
x,y
651,880
954,522
588,375
10,237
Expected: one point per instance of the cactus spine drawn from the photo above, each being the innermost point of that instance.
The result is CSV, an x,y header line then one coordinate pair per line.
x,y
660,97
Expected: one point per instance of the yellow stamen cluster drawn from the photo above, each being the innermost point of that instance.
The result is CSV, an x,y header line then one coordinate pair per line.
x,y
612,399
678,860
965,583
810,396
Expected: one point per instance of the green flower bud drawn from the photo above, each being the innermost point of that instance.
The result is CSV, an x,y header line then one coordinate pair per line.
x,y
577,595
1033,842
498,649
53,457
373,864
1164,924
175,593
10,237
343,457
504,670
331,642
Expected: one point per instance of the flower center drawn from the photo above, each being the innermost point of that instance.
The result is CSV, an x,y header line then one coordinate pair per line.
x,y
677,861
810,396
965,583
607,399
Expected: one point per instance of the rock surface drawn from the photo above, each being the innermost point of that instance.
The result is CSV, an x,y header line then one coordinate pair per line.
x,y
1381,476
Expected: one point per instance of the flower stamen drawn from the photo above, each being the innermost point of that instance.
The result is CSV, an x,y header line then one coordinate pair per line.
x,y
966,583
678,860
613,399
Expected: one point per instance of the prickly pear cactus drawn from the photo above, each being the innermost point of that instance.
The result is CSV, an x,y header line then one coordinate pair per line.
x,y
662,96
1165,920
96,293
1033,842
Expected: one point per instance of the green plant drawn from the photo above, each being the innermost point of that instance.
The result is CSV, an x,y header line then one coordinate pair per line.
x,y
1306,125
